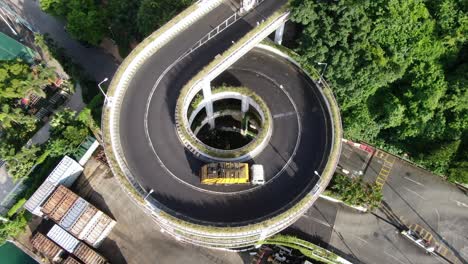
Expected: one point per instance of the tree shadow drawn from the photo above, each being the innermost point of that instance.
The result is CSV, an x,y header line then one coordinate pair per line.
x,y
421,218
317,241
111,251
83,188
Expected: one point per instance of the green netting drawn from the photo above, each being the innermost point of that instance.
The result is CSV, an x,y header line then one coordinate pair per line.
x,y
11,49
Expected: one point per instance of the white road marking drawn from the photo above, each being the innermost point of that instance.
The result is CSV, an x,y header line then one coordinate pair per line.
x,y
361,239
411,180
317,220
394,257
438,217
420,196
284,114
460,203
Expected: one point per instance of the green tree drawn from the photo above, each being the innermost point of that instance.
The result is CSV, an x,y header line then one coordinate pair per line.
x,y
20,164
18,79
9,117
121,16
68,131
152,14
85,19
87,25
355,191
61,120
13,227
398,69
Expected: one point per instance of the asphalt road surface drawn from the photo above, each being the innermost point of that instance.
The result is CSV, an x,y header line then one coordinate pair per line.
x,y
176,185
412,196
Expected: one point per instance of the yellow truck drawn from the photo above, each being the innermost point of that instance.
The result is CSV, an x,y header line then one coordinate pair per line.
x,y
227,173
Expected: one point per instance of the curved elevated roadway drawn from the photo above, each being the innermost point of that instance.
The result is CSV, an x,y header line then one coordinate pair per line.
x,y
301,140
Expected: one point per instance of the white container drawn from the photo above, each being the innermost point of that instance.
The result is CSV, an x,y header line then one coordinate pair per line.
x,y
63,238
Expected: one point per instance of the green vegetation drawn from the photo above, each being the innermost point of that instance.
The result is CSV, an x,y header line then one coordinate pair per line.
x,y
354,191
398,69
67,132
13,226
306,248
18,81
121,20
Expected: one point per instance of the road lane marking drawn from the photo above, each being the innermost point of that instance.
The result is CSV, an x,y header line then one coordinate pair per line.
x,y
411,180
460,203
284,114
361,239
420,196
317,220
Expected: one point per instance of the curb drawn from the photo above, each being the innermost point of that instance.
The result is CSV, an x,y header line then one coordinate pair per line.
x,y
334,200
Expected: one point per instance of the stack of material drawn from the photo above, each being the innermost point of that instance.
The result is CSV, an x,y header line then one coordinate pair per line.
x,y
225,173
63,238
73,246
87,255
65,173
46,246
78,217
71,260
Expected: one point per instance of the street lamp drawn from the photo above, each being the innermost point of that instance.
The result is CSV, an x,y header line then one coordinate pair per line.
x,y
112,32
150,192
324,68
107,99
316,173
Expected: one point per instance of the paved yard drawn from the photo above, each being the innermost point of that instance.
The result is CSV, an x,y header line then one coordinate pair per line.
x,y
136,238
420,200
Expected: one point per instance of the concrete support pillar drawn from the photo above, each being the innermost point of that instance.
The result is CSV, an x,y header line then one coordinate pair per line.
x,y
245,104
279,34
209,103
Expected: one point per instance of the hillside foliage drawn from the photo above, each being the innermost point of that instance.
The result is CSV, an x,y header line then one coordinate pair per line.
x,y
399,71
121,20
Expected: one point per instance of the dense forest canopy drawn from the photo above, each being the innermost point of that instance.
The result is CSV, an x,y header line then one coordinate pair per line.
x,y
399,71
121,20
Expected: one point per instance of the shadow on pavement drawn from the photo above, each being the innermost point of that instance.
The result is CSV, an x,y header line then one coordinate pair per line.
x,y
317,241
432,229
110,250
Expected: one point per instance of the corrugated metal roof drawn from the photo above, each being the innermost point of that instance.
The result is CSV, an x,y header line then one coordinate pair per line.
x,y
54,200
83,220
71,260
45,246
40,195
64,173
63,238
67,168
88,255
98,229
90,225
104,233
74,213
63,207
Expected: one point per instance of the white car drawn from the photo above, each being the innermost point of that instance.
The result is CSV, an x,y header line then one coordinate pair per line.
x,y
258,175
